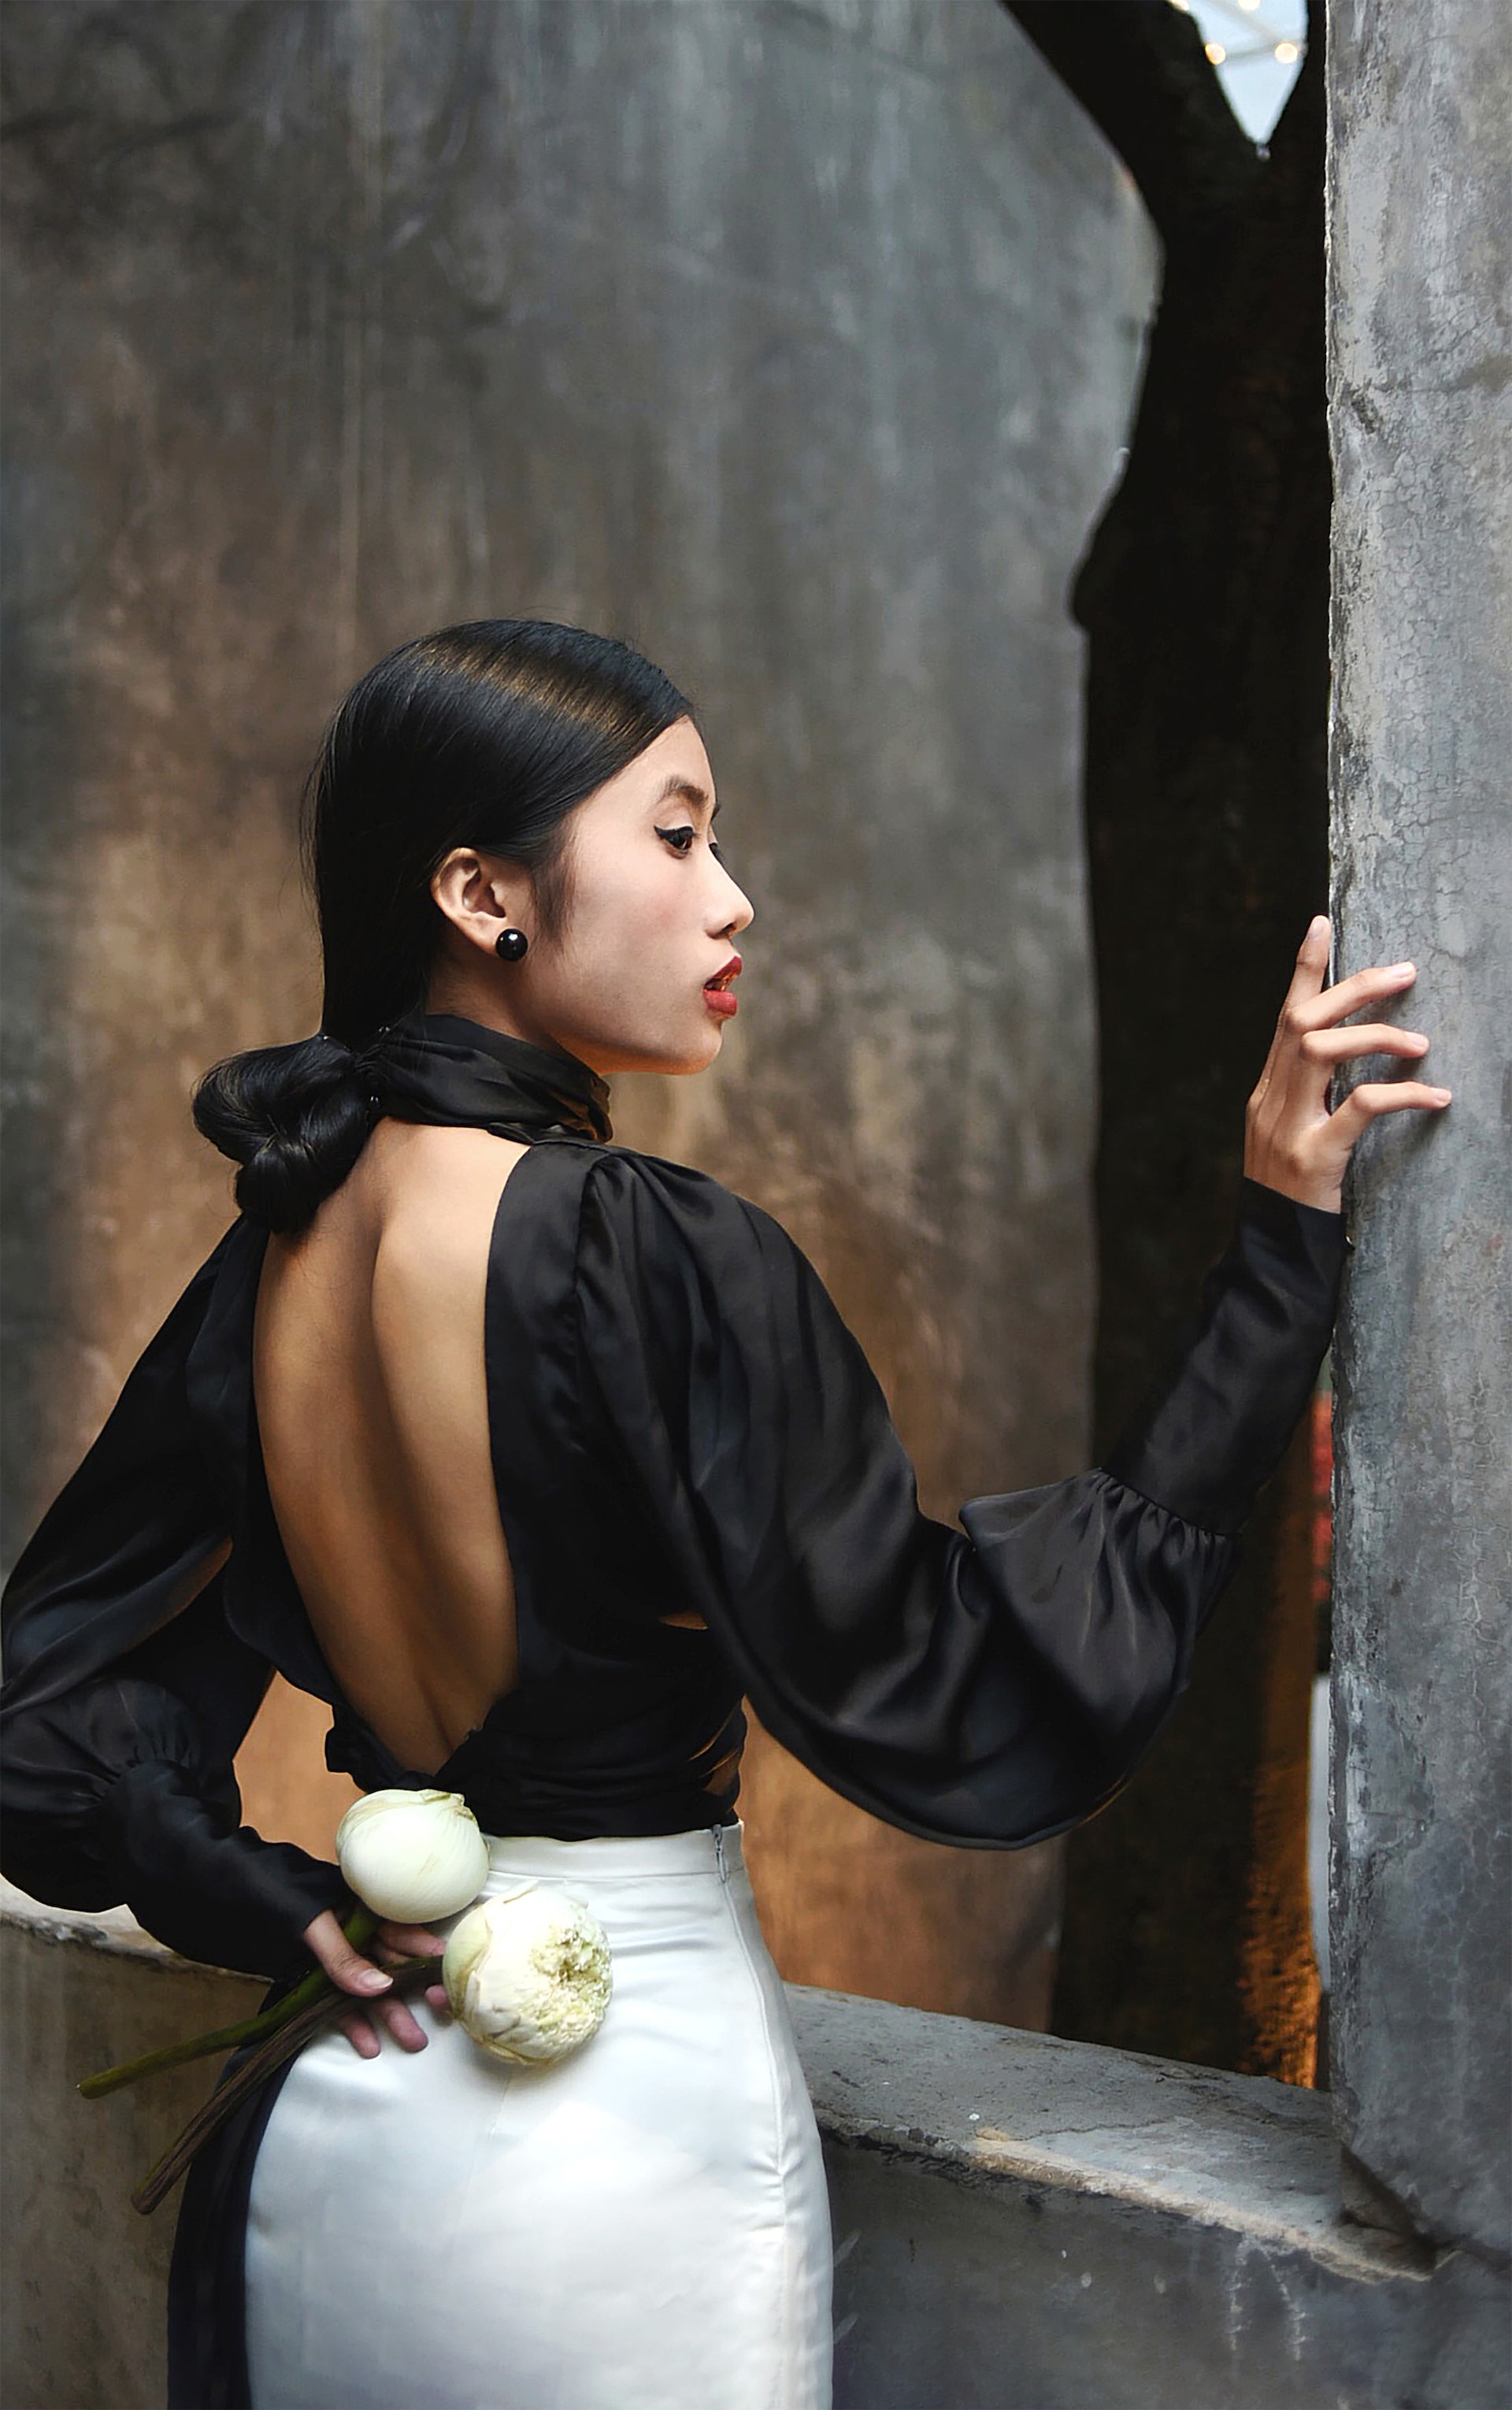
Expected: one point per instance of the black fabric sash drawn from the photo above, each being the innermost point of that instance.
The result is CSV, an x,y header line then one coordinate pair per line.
x,y
438,1067
207,2319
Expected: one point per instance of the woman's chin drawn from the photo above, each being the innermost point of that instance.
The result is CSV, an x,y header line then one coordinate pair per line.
x,y
709,1048
700,1060
673,1062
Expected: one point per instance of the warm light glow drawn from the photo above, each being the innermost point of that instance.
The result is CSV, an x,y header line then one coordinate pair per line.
x,y
1215,52
1184,6
1285,52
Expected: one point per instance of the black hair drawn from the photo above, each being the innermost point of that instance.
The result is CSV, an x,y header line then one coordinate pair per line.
x,y
485,735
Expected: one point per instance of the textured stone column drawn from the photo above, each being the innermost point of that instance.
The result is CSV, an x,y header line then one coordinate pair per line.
x,y
1421,269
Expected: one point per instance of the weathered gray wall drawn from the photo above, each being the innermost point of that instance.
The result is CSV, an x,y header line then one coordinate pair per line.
x,y
794,342
1420,370
83,2279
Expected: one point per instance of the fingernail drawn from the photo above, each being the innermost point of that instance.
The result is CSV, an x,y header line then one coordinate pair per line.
x,y
372,1979
1444,1095
1399,971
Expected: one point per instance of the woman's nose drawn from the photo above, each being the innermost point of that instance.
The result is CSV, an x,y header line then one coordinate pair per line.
x,y
745,911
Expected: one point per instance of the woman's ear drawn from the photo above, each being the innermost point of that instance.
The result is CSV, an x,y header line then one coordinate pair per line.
x,y
480,894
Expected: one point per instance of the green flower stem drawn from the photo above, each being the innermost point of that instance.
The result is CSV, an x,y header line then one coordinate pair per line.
x,y
312,1987
271,2054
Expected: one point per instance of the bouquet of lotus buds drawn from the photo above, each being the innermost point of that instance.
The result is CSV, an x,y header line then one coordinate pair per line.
x,y
526,1970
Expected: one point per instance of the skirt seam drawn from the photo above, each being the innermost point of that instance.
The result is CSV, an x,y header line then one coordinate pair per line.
x,y
774,2060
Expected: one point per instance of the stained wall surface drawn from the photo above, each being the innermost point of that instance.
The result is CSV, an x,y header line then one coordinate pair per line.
x,y
1420,365
793,343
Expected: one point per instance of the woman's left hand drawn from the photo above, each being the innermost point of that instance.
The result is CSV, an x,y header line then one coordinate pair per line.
x,y
1292,1143
390,1945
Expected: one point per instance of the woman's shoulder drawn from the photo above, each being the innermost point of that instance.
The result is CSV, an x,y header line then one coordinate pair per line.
x,y
648,1193
629,1167
679,1250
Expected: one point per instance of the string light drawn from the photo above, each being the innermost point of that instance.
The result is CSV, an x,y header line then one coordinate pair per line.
x,y
1285,52
1240,34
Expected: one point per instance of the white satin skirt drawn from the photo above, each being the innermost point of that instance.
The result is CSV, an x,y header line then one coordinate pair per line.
x,y
642,2225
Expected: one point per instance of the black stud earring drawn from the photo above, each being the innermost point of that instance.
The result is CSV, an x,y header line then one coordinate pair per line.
x,y
510,944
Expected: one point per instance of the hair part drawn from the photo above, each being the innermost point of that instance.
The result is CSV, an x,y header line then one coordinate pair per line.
x,y
487,735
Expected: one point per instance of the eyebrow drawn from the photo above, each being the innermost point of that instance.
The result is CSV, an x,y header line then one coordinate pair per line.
x,y
686,788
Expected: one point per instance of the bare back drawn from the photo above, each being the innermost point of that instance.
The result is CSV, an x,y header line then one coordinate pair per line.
x,y
373,1406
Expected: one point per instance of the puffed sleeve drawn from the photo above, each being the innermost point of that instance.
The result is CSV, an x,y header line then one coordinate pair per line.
x,y
126,1694
988,1685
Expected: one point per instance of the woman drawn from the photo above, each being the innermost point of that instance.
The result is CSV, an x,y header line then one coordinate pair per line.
x,y
531,1456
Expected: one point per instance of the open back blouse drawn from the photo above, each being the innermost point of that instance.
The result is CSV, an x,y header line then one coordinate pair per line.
x,y
679,1423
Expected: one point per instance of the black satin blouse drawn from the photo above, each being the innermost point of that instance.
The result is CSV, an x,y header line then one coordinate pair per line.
x,y
679,1420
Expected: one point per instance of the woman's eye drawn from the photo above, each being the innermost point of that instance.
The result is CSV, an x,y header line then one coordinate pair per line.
x,y
681,842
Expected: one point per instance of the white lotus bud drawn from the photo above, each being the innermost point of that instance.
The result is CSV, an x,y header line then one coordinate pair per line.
x,y
527,1974
413,1855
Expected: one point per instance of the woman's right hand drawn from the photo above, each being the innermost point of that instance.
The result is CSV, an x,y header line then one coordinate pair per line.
x,y
350,1972
1292,1141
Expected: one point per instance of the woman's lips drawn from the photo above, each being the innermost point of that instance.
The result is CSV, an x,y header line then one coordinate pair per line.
x,y
717,993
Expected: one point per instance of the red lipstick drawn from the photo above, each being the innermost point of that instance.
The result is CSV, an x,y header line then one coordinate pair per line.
x,y
716,993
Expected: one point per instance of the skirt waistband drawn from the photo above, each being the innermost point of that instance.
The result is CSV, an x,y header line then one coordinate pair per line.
x,y
703,1850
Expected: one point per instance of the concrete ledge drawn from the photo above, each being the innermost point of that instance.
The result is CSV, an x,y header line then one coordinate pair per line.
x,y
1020,2221
983,2103
114,1930
1035,2223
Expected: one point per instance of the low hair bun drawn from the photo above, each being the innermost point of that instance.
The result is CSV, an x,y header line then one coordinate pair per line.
x,y
296,1118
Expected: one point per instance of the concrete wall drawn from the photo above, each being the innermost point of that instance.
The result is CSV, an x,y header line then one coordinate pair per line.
x,y
793,343
1421,367
1019,2220
83,2279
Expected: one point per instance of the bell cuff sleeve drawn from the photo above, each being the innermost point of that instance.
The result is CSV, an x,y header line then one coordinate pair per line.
x,y
127,1695
122,1792
195,1876
1215,1422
